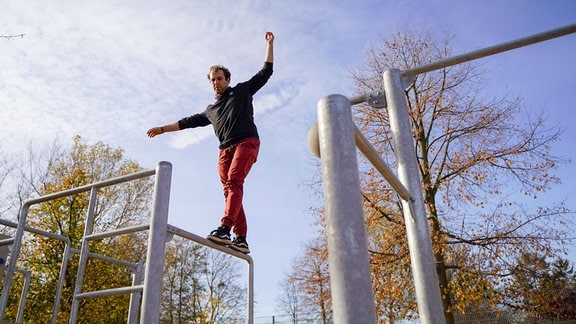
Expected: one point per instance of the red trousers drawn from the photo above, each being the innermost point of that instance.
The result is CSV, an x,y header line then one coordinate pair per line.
x,y
234,163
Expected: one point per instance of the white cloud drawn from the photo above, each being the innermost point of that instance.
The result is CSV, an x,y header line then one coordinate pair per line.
x,y
190,137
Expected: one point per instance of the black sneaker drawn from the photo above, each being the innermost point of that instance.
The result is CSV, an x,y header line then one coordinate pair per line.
x,y
221,235
239,244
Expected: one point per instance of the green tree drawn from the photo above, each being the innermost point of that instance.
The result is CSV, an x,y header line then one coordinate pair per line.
x,y
117,206
547,289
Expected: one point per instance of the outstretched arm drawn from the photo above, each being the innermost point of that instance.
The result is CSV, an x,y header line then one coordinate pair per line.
x,y
163,129
269,37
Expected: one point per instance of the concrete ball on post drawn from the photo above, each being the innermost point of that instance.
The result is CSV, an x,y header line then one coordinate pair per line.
x,y
313,140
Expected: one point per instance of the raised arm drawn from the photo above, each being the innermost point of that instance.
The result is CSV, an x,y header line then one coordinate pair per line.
x,y
269,37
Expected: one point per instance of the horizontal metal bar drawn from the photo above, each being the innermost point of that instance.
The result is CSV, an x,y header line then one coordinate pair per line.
x,y
358,99
127,264
8,241
101,184
536,38
206,242
110,292
120,231
487,51
36,231
372,155
375,99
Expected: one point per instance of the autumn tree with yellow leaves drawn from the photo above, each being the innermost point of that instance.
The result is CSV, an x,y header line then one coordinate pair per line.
x,y
483,162
478,158
59,169
199,285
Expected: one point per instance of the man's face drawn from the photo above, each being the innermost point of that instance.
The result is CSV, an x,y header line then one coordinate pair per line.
x,y
218,81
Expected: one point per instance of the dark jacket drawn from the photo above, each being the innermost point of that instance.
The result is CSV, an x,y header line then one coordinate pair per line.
x,y
232,115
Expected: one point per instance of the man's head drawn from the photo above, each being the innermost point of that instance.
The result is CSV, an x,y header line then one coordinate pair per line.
x,y
219,78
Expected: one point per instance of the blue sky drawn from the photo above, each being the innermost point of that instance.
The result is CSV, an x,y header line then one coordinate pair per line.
x,y
110,69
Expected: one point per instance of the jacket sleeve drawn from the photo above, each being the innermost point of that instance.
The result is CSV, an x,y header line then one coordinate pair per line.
x,y
260,78
196,120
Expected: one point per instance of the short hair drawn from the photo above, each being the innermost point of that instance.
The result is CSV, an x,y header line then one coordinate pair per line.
x,y
215,68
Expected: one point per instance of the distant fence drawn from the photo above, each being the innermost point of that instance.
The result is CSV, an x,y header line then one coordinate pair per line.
x,y
487,317
287,319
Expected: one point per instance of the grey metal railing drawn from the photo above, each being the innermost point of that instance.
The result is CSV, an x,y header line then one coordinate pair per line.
x,y
21,227
146,284
11,269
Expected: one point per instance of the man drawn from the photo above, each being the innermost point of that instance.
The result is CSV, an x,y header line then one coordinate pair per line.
x,y
232,116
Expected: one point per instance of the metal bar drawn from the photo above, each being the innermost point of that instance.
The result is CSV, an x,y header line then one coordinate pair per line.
x,y
66,253
349,266
419,241
135,297
22,304
491,50
83,259
35,231
202,241
374,99
23,213
110,292
127,264
372,155
101,184
120,231
250,292
7,241
151,296
487,51
61,279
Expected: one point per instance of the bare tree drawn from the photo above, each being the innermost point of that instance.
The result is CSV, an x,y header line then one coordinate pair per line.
x,y
309,284
7,167
182,289
200,286
289,300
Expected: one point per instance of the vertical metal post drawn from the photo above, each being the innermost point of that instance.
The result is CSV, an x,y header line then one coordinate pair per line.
x,y
250,292
61,279
22,304
23,214
134,307
417,228
351,286
156,245
83,259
